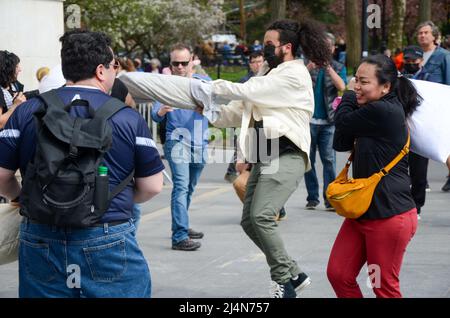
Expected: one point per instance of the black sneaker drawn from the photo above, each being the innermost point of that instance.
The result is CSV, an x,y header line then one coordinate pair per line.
x,y
186,245
195,235
300,282
311,205
329,207
446,186
283,291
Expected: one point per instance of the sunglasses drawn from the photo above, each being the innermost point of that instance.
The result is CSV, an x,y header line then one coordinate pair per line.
x,y
176,64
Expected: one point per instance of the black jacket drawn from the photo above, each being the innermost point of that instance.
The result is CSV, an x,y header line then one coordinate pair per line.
x,y
380,131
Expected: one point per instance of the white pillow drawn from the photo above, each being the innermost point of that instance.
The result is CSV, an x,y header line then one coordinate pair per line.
x,y
430,124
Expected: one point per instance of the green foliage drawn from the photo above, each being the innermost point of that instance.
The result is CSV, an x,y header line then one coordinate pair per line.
x,y
229,73
150,26
319,10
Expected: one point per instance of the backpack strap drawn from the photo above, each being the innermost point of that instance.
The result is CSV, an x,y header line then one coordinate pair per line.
x,y
51,98
108,109
119,188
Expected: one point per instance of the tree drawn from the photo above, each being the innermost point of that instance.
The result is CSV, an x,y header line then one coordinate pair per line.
x,y
395,38
243,21
424,10
278,9
151,26
353,30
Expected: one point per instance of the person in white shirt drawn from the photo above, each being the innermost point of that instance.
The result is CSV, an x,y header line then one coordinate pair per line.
x,y
273,112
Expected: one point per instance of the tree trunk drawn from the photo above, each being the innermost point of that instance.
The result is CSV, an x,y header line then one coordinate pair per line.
x,y
383,24
278,9
396,27
424,10
243,20
353,30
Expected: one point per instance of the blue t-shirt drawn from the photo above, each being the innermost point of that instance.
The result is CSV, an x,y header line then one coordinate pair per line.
x,y
132,144
320,108
320,111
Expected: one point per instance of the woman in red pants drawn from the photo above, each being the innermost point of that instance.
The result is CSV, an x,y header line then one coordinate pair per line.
x,y
371,119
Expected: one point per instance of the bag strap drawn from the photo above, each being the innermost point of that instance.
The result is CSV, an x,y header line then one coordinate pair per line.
x,y
120,187
108,109
391,165
399,157
51,98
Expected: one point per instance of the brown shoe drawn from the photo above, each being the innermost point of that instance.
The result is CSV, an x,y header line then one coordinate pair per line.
x,y
194,234
186,245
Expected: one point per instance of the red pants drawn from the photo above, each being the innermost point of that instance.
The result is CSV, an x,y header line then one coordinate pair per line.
x,y
380,243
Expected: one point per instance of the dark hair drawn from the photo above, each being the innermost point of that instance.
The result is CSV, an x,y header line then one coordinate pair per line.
x,y
8,64
254,55
82,51
386,72
309,35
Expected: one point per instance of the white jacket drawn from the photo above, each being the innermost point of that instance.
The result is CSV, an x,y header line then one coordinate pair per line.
x,y
283,99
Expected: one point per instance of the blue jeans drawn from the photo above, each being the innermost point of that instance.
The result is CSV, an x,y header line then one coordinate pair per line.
x,y
186,165
73,263
322,140
136,215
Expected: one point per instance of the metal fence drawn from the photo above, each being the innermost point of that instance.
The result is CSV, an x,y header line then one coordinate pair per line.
x,y
145,110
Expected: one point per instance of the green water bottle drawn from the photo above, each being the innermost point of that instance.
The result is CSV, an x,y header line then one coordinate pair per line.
x,y
101,193
102,171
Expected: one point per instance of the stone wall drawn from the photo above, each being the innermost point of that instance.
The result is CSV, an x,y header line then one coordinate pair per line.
x,y
31,29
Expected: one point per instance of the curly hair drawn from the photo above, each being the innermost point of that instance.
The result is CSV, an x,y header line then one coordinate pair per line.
x,y
309,34
8,65
82,51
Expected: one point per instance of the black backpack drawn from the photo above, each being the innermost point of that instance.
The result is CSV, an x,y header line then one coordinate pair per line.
x,y
61,185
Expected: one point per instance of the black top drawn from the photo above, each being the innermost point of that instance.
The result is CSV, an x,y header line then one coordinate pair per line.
x,y
285,145
15,87
119,90
380,131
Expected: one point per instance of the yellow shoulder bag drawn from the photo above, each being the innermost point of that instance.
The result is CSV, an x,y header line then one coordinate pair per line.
x,y
352,197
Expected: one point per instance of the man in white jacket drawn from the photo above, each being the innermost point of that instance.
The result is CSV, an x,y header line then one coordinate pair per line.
x,y
273,112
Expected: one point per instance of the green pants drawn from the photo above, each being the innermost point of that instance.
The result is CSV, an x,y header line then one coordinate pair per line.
x,y
269,187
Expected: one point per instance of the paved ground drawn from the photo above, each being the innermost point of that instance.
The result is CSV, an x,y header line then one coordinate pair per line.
x,y
229,265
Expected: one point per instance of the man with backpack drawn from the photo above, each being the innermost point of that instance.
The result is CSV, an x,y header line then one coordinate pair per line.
x,y
85,158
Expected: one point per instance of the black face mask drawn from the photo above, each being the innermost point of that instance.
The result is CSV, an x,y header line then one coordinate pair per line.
x,y
411,68
269,55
